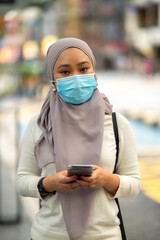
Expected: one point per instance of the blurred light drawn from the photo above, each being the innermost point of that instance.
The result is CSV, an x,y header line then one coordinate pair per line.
x,y
9,16
30,50
147,51
31,14
9,54
46,42
12,21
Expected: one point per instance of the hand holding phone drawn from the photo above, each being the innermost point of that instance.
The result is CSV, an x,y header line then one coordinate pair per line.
x,y
80,170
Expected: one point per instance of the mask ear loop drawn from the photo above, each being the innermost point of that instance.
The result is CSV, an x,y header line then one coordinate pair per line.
x,y
95,76
53,87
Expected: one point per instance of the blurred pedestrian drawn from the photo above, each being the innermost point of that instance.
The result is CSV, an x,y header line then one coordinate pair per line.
x,y
147,67
75,127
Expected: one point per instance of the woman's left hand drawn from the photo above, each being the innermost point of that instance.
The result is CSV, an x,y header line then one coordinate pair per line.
x,y
100,178
97,179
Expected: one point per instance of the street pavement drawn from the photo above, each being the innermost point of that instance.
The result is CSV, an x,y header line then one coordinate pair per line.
x,y
130,94
141,217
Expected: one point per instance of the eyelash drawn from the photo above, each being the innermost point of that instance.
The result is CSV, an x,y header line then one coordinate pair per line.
x,y
84,69
81,70
64,72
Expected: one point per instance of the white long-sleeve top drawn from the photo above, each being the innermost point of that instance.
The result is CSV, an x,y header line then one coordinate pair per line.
x,y
103,223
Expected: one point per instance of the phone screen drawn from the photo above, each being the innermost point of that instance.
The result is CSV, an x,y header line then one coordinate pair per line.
x,y
80,170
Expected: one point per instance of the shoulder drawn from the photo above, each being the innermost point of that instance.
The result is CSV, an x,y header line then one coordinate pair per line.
x,y
124,126
125,129
122,121
33,121
32,127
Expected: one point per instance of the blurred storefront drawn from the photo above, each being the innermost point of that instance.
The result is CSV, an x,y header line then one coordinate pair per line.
x,y
25,24
142,32
101,24
123,35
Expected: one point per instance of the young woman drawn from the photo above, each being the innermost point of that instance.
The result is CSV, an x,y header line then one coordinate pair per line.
x,y
75,127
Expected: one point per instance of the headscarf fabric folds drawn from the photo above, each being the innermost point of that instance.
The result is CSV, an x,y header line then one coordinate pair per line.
x,y
71,134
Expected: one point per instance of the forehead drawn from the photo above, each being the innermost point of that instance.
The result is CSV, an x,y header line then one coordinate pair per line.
x,y
72,54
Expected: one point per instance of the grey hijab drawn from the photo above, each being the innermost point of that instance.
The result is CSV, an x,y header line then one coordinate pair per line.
x,y
71,134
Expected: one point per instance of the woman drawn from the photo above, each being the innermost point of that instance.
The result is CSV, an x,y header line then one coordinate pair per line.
x,y
75,127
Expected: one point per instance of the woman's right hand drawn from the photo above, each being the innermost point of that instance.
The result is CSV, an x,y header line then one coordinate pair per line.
x,y
60,182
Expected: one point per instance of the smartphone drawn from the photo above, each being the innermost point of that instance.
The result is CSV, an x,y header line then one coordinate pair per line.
x,y
80,170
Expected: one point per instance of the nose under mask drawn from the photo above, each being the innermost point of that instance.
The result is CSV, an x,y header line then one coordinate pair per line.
x,y
76,89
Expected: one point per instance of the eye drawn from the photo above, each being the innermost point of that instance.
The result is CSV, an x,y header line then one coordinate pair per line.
x,y
65,72
84,69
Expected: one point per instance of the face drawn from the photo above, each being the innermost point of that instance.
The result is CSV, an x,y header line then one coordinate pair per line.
x,y
72,61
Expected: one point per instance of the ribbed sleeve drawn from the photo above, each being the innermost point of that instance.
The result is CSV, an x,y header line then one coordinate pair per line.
x,y
127,166
28,173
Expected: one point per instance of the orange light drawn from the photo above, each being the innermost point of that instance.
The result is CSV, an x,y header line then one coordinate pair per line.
x,y
46,42
6,55
30,50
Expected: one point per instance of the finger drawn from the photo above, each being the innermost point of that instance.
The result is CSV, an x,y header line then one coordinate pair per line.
x,y
70,179
83,184
68,187
86,179
75,187
72,184
90,186
95,167
86,185
71,189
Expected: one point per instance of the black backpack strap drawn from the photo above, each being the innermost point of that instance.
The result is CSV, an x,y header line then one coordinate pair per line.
x,y
115,127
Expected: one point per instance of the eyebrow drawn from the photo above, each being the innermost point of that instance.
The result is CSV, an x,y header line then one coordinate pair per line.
x,y
63,65
68,65
84,62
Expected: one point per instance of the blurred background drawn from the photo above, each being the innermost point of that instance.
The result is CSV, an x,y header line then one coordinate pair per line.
x,y
125,38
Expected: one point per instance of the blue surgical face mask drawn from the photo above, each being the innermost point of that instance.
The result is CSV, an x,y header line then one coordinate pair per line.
x,y
76,89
